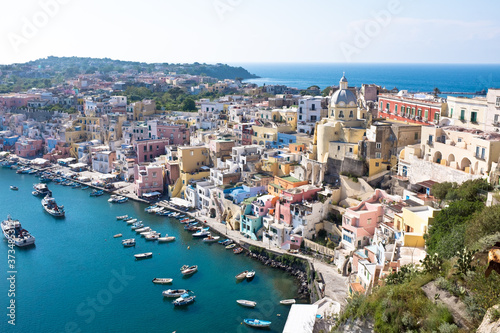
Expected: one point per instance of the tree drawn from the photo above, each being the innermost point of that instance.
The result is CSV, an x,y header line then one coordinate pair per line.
x,y
483,223
188,105
440,190
326,91
436,92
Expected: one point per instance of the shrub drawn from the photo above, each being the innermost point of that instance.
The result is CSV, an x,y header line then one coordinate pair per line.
x,y
464,262
432,263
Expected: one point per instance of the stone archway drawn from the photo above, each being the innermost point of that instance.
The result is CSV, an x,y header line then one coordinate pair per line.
x,y
451,159
465,163
437,157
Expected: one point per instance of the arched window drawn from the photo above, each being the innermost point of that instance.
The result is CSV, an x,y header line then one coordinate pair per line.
x,y
341,114
350,114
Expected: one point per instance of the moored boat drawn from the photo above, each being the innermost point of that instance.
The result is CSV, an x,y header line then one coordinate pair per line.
x,y
211,239
137,225
166,239
250,275
202,233
189,270
152,236
14,233
162,280
242,275
122,217
128,242
174,292
184,300
96,193
131,221
257,322
238,250
41,189
117,235
143,255
287,301
51,207
230,246
142,230
248,304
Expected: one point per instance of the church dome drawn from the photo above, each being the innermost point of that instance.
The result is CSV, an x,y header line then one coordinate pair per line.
x,y
343,95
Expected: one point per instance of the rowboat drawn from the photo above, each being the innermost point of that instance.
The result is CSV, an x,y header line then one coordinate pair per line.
x,y
248,304
288,301
238,250
174,292
190,270
257,322
117,235
230,246
143,255
152,236
162,280
166,239
242,275
14,188
137,226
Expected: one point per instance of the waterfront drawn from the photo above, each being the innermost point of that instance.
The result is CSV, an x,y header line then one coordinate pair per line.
x,y
79,277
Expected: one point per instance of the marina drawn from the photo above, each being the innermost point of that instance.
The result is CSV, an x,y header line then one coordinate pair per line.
x,y
83,263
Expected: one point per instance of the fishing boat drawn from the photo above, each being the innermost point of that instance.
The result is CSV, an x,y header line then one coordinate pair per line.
x,y
238,250
41,189
248,304
189,270
143,255
174,292
184,300
117,199
202,233
162,280
117,235
96,193
152,236
230,246
76,185
257,323
287,301
211,239
250,275
14,188
187,226
166,239
14,233
242,275
185,220
51,207
193,228
128,242
137,225
122,217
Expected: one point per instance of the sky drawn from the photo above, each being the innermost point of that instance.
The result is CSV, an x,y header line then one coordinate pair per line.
x,y
252,31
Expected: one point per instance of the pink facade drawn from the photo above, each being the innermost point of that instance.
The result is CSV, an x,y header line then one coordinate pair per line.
x,y
148,150
291,196
28,148
148,179
62,150
15,101
177,134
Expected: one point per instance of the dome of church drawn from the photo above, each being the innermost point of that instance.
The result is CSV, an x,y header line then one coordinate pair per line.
x,y
343,95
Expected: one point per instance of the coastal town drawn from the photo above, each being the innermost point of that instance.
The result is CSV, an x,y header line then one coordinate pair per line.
x,y
343,178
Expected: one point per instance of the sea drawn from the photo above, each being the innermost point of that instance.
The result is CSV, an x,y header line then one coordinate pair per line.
x,y
78,278
461,78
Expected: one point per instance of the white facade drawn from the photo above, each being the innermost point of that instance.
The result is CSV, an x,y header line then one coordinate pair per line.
x,y
493,113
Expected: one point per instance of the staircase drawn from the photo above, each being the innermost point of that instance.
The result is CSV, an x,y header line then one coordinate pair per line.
x,y
218,206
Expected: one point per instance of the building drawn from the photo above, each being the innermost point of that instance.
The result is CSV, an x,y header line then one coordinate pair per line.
x,y
466,112
103,161
414,223
148,179
411,108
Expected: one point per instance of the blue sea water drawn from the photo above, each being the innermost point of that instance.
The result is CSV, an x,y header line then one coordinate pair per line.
x,y
78,278
411,77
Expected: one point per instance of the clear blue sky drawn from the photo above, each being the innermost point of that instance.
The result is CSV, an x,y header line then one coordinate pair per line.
x,y
242,31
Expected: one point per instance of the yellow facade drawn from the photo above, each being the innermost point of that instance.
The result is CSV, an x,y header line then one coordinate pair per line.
x,y
191,159
414,222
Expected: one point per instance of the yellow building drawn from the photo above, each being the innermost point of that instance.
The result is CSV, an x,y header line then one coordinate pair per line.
x,y
193,165
268,133
143,109
414,223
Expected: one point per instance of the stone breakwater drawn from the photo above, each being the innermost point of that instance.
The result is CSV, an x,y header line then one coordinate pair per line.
x,y
299,274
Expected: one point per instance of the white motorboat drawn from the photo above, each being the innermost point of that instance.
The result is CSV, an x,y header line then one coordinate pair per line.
x,y
131,221
250,275
152,236
117,199
41,189
128,242
51,207
174,292
143,255
146,233
13,231
211,239
162,280
142,229
248,304
202,233
137,225
287,301
166,239
190,270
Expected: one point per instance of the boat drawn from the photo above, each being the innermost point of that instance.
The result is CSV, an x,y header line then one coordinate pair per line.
x,y
189,221
230,246
187,226
14,188
238,250
96,193
166,239
117,199
51,207
137,225
117,235
250,275
41,189
248,304
132,221
152,236
189,270
85,187
185,220
128,242
76,185
122,217
287,301
257,323
162,280
193,228
143,255
242,275
174,292
211,239
184,300
222,241
227,242
14,233
202,233
142,230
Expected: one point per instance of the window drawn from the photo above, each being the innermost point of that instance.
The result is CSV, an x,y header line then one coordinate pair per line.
x,y
497,104
192,153
396,108
496,119
338,147
313,107
416,136
378,145
300,117
462,115
313,118
473,117
451,113
378,155
388,107
419,112
426,114
377,164
350,149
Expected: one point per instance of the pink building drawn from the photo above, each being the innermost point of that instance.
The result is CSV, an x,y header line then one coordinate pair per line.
x,y
15,100
177,134
148,150
148,179
28,148
291,196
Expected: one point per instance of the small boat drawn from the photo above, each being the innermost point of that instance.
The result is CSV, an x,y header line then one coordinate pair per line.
x,y
187,221
131,221
96,193
117,235
242,275
147,233
76,185
202,233
128,242
174,292
222,241
227,242
122,217
85,187
14,188
191,225
51,207
184,300
152,236
166,239
137,225
230,246
189,270
15,234
257,323
41,189
248,304
162,280
238,250
117,199
288,301
211,239
143,255
250,275
142,229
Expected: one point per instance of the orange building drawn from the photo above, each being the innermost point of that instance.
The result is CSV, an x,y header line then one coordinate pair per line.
x,y
284,183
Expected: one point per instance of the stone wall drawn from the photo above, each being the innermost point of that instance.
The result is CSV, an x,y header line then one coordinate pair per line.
x,y
421,170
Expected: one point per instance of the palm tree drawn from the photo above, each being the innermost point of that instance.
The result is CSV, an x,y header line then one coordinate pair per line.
x,y
436,92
